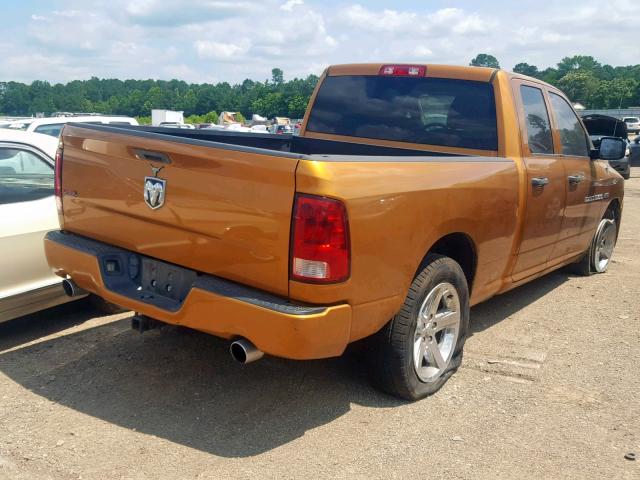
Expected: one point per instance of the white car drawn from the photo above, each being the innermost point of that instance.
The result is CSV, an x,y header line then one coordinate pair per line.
x,y
177,125
53,125
236,127
28,211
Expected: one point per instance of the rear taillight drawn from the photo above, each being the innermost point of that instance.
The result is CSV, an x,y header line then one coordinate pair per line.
x,y
403,70
320,251
57,189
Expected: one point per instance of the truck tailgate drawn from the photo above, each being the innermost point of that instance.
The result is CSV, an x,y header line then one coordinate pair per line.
x,y
226,211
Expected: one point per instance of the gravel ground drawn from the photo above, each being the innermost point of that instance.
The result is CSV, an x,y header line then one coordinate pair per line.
x,y
549,388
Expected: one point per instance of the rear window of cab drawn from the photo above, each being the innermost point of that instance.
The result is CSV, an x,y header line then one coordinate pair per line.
x,y
432,111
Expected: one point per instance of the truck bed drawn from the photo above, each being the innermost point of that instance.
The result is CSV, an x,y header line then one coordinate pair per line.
x,y
276,143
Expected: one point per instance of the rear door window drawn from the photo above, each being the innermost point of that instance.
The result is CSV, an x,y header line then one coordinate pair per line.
x,y
573,138
433,111
24,176
537,121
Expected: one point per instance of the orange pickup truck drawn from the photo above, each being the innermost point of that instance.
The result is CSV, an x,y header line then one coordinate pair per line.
x,y
411,193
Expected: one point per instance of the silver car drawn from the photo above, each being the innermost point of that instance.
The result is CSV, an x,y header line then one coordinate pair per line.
x,y
633,124
634,152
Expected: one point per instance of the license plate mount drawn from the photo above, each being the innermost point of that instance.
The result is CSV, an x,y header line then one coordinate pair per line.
x,y
165,279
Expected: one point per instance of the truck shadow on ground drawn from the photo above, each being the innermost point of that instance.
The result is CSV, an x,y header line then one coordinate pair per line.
x,y
183,386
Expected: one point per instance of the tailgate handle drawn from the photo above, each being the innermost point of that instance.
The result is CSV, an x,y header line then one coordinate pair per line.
x,y
151,156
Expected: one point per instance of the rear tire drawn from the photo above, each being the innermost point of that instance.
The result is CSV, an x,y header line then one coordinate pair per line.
x,y
421,347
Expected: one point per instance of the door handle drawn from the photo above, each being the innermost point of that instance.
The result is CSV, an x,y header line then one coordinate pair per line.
x,y
575,179
539,181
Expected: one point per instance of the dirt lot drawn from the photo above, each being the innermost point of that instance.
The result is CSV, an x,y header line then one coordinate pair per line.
x,y
549,388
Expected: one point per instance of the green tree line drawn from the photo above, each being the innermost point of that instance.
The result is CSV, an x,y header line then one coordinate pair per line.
x,y
274,97
582,78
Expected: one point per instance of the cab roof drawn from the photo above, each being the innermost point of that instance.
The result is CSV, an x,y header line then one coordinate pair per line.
x,y
460,72
481,74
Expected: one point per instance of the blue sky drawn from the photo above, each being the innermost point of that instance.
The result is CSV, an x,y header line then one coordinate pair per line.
x,y
230,40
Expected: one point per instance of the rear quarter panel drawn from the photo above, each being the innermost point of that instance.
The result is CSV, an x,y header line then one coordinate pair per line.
x,y
398,210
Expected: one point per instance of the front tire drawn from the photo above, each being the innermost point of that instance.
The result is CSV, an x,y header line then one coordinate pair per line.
x,y
598,257
421,347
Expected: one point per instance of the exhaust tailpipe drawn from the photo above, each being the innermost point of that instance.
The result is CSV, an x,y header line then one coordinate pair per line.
x,y
72,289
243,351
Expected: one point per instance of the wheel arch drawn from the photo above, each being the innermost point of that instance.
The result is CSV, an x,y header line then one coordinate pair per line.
x,y
614,211
459,247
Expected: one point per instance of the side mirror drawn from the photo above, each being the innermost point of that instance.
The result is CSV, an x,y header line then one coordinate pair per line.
x,y
611,148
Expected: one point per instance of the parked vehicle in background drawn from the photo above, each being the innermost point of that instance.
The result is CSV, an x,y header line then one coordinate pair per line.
x,y
599,126
160,116
259,129
27,213
227,119
177,125
633,124
281,129
237,127
53,125
375,222
634,152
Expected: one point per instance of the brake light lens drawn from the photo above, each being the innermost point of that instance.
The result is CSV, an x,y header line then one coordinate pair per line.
x,y
57,188
320,250
403,70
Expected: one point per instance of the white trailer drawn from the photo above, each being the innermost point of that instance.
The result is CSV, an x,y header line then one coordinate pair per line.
x,y
159,117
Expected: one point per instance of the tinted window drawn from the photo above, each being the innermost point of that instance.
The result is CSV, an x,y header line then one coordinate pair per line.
x,y
537,120
572,136
433,111
53,130
23,176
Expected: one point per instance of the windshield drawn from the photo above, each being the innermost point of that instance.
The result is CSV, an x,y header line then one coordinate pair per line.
x,y
433,111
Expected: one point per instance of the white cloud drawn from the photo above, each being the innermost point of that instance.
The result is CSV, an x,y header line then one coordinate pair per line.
x,y
451,20
290,4
221,50
172,13
386,20
553,37
422,51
